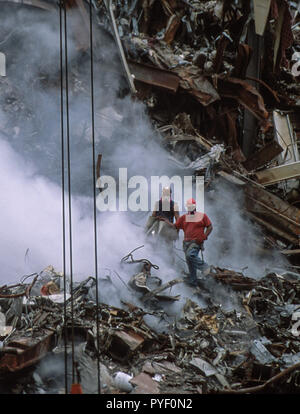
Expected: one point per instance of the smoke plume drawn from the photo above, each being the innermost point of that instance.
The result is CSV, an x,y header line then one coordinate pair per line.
x,y
30,163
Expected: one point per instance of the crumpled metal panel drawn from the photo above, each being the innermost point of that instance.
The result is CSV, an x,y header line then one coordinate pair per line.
x,y
245,94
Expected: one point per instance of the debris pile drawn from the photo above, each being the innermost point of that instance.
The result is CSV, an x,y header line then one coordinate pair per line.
x,y
197,61
221,90
204,349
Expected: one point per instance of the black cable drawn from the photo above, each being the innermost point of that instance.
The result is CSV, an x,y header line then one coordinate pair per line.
x,y
63,191
69,188
94,191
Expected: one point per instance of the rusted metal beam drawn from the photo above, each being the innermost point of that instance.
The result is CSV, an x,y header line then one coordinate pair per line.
x,y
219,59
263,156
275,205
261,82
171,29
273,213
24,352
98,165
267,207
242,61
276,174
273,229
18,295
245,94
153,76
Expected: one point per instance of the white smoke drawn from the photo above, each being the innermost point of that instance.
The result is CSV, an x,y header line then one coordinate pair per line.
x,y
30,165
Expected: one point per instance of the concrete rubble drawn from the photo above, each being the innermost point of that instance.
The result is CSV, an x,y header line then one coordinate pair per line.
x,y
226,110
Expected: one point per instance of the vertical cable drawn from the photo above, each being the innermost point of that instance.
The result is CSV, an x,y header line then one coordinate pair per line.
x,y
94,191
69,188
63,190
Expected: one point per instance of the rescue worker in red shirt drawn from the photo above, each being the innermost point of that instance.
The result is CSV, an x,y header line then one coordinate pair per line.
x,y
197,227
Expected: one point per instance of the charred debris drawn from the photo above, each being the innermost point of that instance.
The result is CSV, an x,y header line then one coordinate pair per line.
x,y
220,81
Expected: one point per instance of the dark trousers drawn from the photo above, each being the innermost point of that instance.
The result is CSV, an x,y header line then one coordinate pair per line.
x,y
191,250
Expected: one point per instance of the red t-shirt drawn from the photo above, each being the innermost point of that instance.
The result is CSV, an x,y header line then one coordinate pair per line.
x,y
193,226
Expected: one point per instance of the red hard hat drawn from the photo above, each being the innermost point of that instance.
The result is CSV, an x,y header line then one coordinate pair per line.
x,y
191,201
